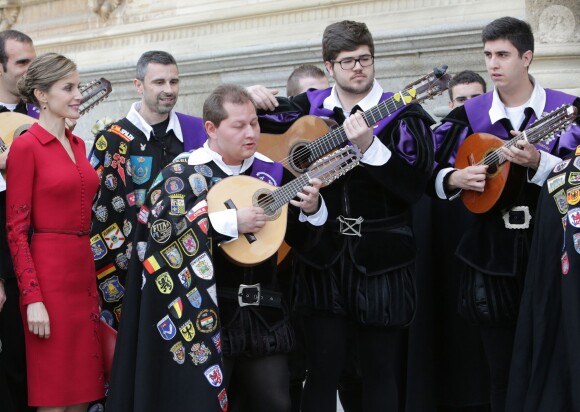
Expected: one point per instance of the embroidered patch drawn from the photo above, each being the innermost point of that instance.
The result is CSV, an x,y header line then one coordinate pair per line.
x,y
177,204
174,185
164,283
177,168
574,216
197,210
118,204
188,242
556,182
574,178
143,215
217,342
565,264
98,247
101,143
110,182
161,230
112,290
113,236
172,255
214,375
141,168
101,213
202,266
200,353
207,321
185,277
178,351
560,198
187,331
198,183
204,170
155,196
176,308
573,195
561,166
166,328
194,298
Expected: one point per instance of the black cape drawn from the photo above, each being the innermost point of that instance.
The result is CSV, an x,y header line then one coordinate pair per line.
x,y
168,355
545,367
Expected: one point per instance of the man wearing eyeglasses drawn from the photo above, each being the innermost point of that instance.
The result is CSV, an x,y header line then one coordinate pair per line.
x,y
357,285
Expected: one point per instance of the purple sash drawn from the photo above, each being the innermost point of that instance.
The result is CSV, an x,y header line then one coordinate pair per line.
x,y
477,110
32,111
193,131
269,172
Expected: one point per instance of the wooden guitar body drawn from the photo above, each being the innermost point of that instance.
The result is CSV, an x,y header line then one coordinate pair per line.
x,y
503,182
289,145
245,191
13,124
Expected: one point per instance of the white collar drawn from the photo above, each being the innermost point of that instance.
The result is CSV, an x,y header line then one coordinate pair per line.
x,y
370,100
537,102
134,117
205,155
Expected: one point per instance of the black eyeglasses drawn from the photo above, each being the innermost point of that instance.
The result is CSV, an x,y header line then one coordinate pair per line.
x,y
349,63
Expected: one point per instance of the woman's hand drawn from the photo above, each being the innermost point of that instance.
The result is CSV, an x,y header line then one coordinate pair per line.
x,y
38,322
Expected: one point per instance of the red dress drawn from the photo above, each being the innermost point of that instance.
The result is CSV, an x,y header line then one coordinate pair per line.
x,y
50,193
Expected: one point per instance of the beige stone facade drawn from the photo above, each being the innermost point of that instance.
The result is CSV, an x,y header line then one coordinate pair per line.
x,y
260,41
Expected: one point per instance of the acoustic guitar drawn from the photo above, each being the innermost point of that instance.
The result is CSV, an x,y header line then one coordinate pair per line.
x,y
504,181
245,191
309,138
14,124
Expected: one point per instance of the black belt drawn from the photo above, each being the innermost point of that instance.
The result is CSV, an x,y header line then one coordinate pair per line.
x,y
63,231
252,295
354,226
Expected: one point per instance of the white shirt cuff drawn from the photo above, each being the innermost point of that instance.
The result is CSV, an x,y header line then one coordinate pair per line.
x,y
377,154
225,222
547,163
318,218
439,189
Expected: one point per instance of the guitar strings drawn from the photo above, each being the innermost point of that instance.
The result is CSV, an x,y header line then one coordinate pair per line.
x,y
553,122
324,144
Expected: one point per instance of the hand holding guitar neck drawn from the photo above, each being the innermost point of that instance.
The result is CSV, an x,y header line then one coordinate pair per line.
x,y
522,153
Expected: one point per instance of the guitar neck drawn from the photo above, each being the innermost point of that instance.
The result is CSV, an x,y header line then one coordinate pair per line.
x,y
284,194
337,137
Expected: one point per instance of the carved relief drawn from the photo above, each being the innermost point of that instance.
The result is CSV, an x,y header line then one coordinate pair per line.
x,y
556,24
104,8
8,16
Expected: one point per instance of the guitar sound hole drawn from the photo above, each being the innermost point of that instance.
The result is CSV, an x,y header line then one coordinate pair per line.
x,y
264,199
300,157
493,168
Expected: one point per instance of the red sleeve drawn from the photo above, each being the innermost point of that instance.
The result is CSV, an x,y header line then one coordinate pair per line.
x,y
20,169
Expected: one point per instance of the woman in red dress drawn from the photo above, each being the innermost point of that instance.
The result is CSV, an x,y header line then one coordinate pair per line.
x,y
51,187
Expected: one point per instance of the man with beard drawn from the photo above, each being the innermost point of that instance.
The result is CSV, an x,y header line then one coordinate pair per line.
x,y
358,282
128,155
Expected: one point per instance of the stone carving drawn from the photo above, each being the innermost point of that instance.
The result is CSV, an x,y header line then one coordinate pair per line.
x,y
104,8
8,16
556,24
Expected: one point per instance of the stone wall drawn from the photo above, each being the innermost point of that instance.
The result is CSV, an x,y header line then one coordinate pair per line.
x,y
261,41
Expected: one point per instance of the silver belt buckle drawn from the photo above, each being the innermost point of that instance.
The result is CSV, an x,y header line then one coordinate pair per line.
x,y
350,226
244,298
527,217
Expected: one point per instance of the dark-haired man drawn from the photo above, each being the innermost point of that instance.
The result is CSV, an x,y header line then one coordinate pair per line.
x,y
128,155
495,245
358,281
16,53
463,86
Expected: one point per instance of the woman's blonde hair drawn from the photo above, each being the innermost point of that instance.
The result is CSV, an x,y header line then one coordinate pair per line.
x,y
43,72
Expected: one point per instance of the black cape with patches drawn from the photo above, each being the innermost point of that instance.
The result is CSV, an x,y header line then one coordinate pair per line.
x,y
168,353
545,369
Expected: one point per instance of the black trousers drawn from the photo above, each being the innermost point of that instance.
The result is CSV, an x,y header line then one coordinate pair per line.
x,y
13,390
